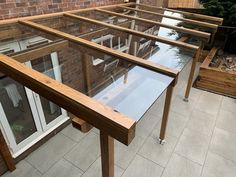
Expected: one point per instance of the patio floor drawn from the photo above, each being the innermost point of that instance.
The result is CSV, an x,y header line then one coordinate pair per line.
x,y
201,142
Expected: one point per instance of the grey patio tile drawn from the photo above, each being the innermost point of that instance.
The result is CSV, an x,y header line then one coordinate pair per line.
x,y
209,103
193,145
62,169
175,126
146,124
73,133
141,167
124,154
227,120
194,93
95,170
201,122
217,166
85,152
156,152
49,153
23,169
179,166
182,107
229,104
224,143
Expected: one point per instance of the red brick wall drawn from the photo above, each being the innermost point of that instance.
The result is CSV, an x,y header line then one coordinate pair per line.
x,y
19,8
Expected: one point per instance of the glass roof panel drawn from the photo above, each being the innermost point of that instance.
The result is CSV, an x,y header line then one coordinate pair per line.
x,y
161,53
17,38
144,26
111,81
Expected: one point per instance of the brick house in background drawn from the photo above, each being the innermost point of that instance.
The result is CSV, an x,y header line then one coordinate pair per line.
x,y
21,8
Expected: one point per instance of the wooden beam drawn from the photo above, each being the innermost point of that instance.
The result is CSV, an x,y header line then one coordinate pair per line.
x,y
58,14
100,116
129,58
166,112
107,154
216,20
81,124
179,29
38,52
191,74
195,22
4,151
134,32
10,33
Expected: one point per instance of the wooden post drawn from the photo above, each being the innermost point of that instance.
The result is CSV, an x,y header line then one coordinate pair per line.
x,y
6,153
166,113
107,154
191,74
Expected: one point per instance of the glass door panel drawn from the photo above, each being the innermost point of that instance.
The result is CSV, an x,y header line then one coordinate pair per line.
x,y
17,110
50,114
44,65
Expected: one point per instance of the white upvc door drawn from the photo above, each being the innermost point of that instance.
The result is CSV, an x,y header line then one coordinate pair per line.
x,y
29,117
50,114
14,131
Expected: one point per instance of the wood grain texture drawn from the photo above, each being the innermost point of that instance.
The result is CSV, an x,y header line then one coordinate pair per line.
x,y
192,72
134,32
190,21
179,29
107,154
5,153
215,20
15,20
215,79
166,112
100,116
124,56
38,52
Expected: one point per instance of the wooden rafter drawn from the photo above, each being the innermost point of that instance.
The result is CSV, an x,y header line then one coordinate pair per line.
x,y
58,14
39,51
216,20
132,59
134,32
195,22
100,116
179,29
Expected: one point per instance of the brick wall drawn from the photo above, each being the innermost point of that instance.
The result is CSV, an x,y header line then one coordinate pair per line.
x,y
20,8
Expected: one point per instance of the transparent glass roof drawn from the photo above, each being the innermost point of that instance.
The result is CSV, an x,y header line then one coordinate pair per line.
x,y
167,55
110,80
145,26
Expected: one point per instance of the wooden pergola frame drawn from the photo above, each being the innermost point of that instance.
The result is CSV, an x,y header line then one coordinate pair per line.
x,y
110,123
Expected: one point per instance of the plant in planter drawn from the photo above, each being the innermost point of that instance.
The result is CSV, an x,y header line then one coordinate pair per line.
x,y
225,9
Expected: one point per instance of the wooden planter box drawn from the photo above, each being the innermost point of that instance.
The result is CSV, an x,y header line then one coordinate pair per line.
x,y
214,79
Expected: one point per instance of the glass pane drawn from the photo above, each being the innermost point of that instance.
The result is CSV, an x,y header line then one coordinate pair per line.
x,y
168,55
44,65
144,26
110,80
17,109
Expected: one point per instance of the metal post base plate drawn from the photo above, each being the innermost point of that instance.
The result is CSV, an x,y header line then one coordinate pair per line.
x,y
185,99
162,142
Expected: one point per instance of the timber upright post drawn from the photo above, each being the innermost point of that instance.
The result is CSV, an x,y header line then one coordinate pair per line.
x,y
166,112
6,153
107,154
192,71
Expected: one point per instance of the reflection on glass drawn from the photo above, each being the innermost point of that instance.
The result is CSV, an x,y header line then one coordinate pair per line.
x,y
16,107
44,65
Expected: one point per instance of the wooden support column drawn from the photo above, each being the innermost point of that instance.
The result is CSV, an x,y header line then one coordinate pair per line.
x,y
6,153
191,74
107,154
165,117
